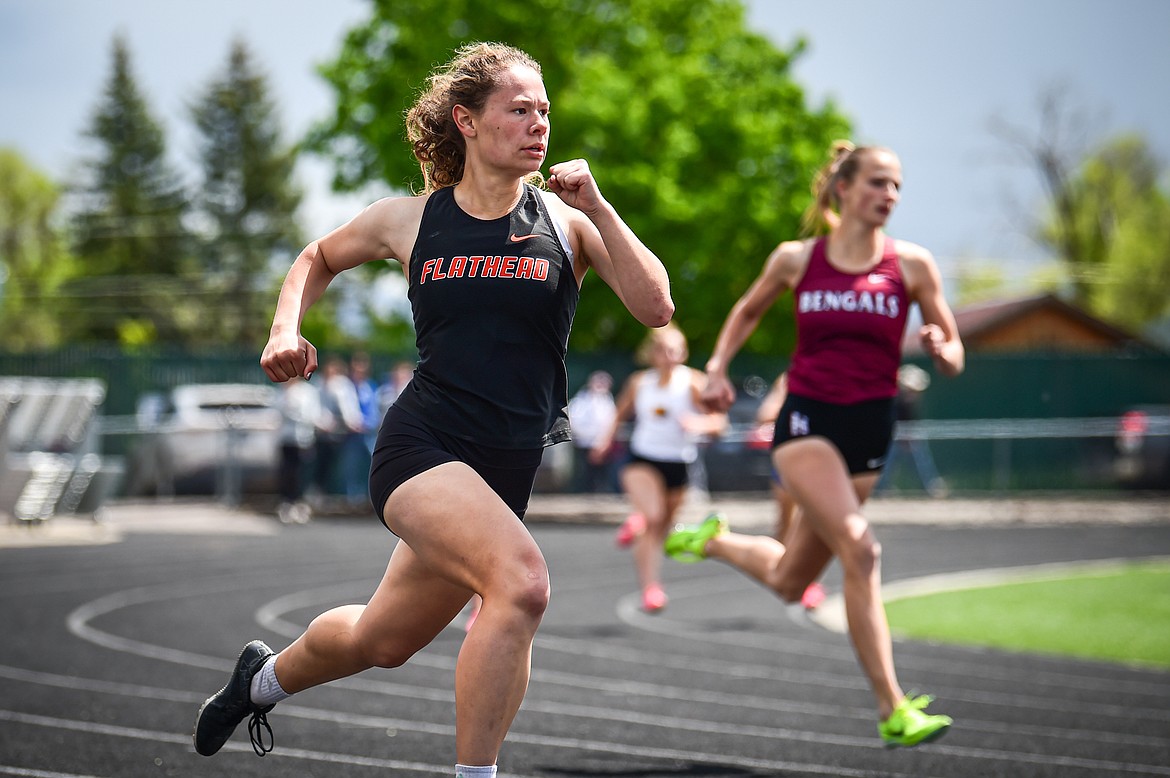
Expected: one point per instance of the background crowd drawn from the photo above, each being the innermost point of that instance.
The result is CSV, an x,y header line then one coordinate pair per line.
x,y
329,425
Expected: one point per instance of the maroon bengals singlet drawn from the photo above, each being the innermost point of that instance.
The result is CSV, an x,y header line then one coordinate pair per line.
x,y
849,330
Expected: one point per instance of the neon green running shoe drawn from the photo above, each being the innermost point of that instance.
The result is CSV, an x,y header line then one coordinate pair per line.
x,y
910,724
686,544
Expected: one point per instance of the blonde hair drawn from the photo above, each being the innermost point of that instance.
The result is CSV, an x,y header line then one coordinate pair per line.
x,y
467,80
845,160
645,353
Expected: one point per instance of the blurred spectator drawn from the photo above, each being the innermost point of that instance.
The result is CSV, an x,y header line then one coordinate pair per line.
x,y
396,381
358,446
341,419
591,412
367,394
912,382
300,410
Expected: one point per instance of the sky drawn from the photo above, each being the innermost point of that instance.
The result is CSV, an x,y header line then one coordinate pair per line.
x,y
925,78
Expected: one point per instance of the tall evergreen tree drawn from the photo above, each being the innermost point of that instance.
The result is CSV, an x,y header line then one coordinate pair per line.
x,y
247,200
128,224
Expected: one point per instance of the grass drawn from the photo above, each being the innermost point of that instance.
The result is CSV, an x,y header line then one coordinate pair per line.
x,y
1120,614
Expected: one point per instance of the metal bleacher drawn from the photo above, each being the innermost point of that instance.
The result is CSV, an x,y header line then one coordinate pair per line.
x,y
49,461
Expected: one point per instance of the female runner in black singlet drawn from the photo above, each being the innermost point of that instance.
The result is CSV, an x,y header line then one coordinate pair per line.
x,y
494,265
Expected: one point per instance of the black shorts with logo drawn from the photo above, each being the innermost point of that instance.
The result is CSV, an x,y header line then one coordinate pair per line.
x,y
861,431
407,447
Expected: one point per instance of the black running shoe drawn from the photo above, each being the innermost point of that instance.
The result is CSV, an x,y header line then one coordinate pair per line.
x,y
223,711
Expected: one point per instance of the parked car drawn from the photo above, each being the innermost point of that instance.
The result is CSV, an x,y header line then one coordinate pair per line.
x,y
206,439
1143,448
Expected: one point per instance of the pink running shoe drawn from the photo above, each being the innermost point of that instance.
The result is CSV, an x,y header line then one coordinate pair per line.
x,y
653,598
813,596
632,527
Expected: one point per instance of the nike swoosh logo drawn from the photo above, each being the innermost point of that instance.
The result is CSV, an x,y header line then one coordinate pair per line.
x,y
519,238
876,278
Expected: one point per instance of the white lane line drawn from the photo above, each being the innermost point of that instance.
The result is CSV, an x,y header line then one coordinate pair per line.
x,y
271,615
534,705
78,623
634,750
831,613
20,771
630,612
637,750
105,605
158,736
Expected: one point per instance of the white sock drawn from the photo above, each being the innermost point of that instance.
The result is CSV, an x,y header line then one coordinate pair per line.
x,y
464,771
266,690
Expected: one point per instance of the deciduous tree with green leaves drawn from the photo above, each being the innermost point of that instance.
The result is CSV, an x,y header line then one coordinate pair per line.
x,y
246,204
129,235
1107,212
693,125
34,260
1121,216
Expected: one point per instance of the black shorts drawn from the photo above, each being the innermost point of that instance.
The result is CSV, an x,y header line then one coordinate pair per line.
x,y
407,447
861,431
674,473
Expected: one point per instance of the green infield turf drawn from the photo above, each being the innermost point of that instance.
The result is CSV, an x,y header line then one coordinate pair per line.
x,y
1119,614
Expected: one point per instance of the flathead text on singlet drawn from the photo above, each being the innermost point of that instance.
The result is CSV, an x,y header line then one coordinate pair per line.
x,y
439,268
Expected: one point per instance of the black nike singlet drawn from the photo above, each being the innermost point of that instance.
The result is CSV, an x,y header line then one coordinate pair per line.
x,y
493,304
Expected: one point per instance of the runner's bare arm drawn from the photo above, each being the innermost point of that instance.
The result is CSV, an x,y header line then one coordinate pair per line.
x,y
380,231
606,243
939,334
782,270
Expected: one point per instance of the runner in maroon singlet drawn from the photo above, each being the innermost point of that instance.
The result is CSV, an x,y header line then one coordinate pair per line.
x,y
852,289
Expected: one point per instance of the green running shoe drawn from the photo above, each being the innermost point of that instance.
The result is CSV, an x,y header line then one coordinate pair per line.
x,y
686,544
910,724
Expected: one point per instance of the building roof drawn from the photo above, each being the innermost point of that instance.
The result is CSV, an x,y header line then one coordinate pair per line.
x,y
1039,322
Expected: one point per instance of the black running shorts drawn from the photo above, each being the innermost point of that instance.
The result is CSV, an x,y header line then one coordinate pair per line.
x,y
861,431
407,447
673,473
